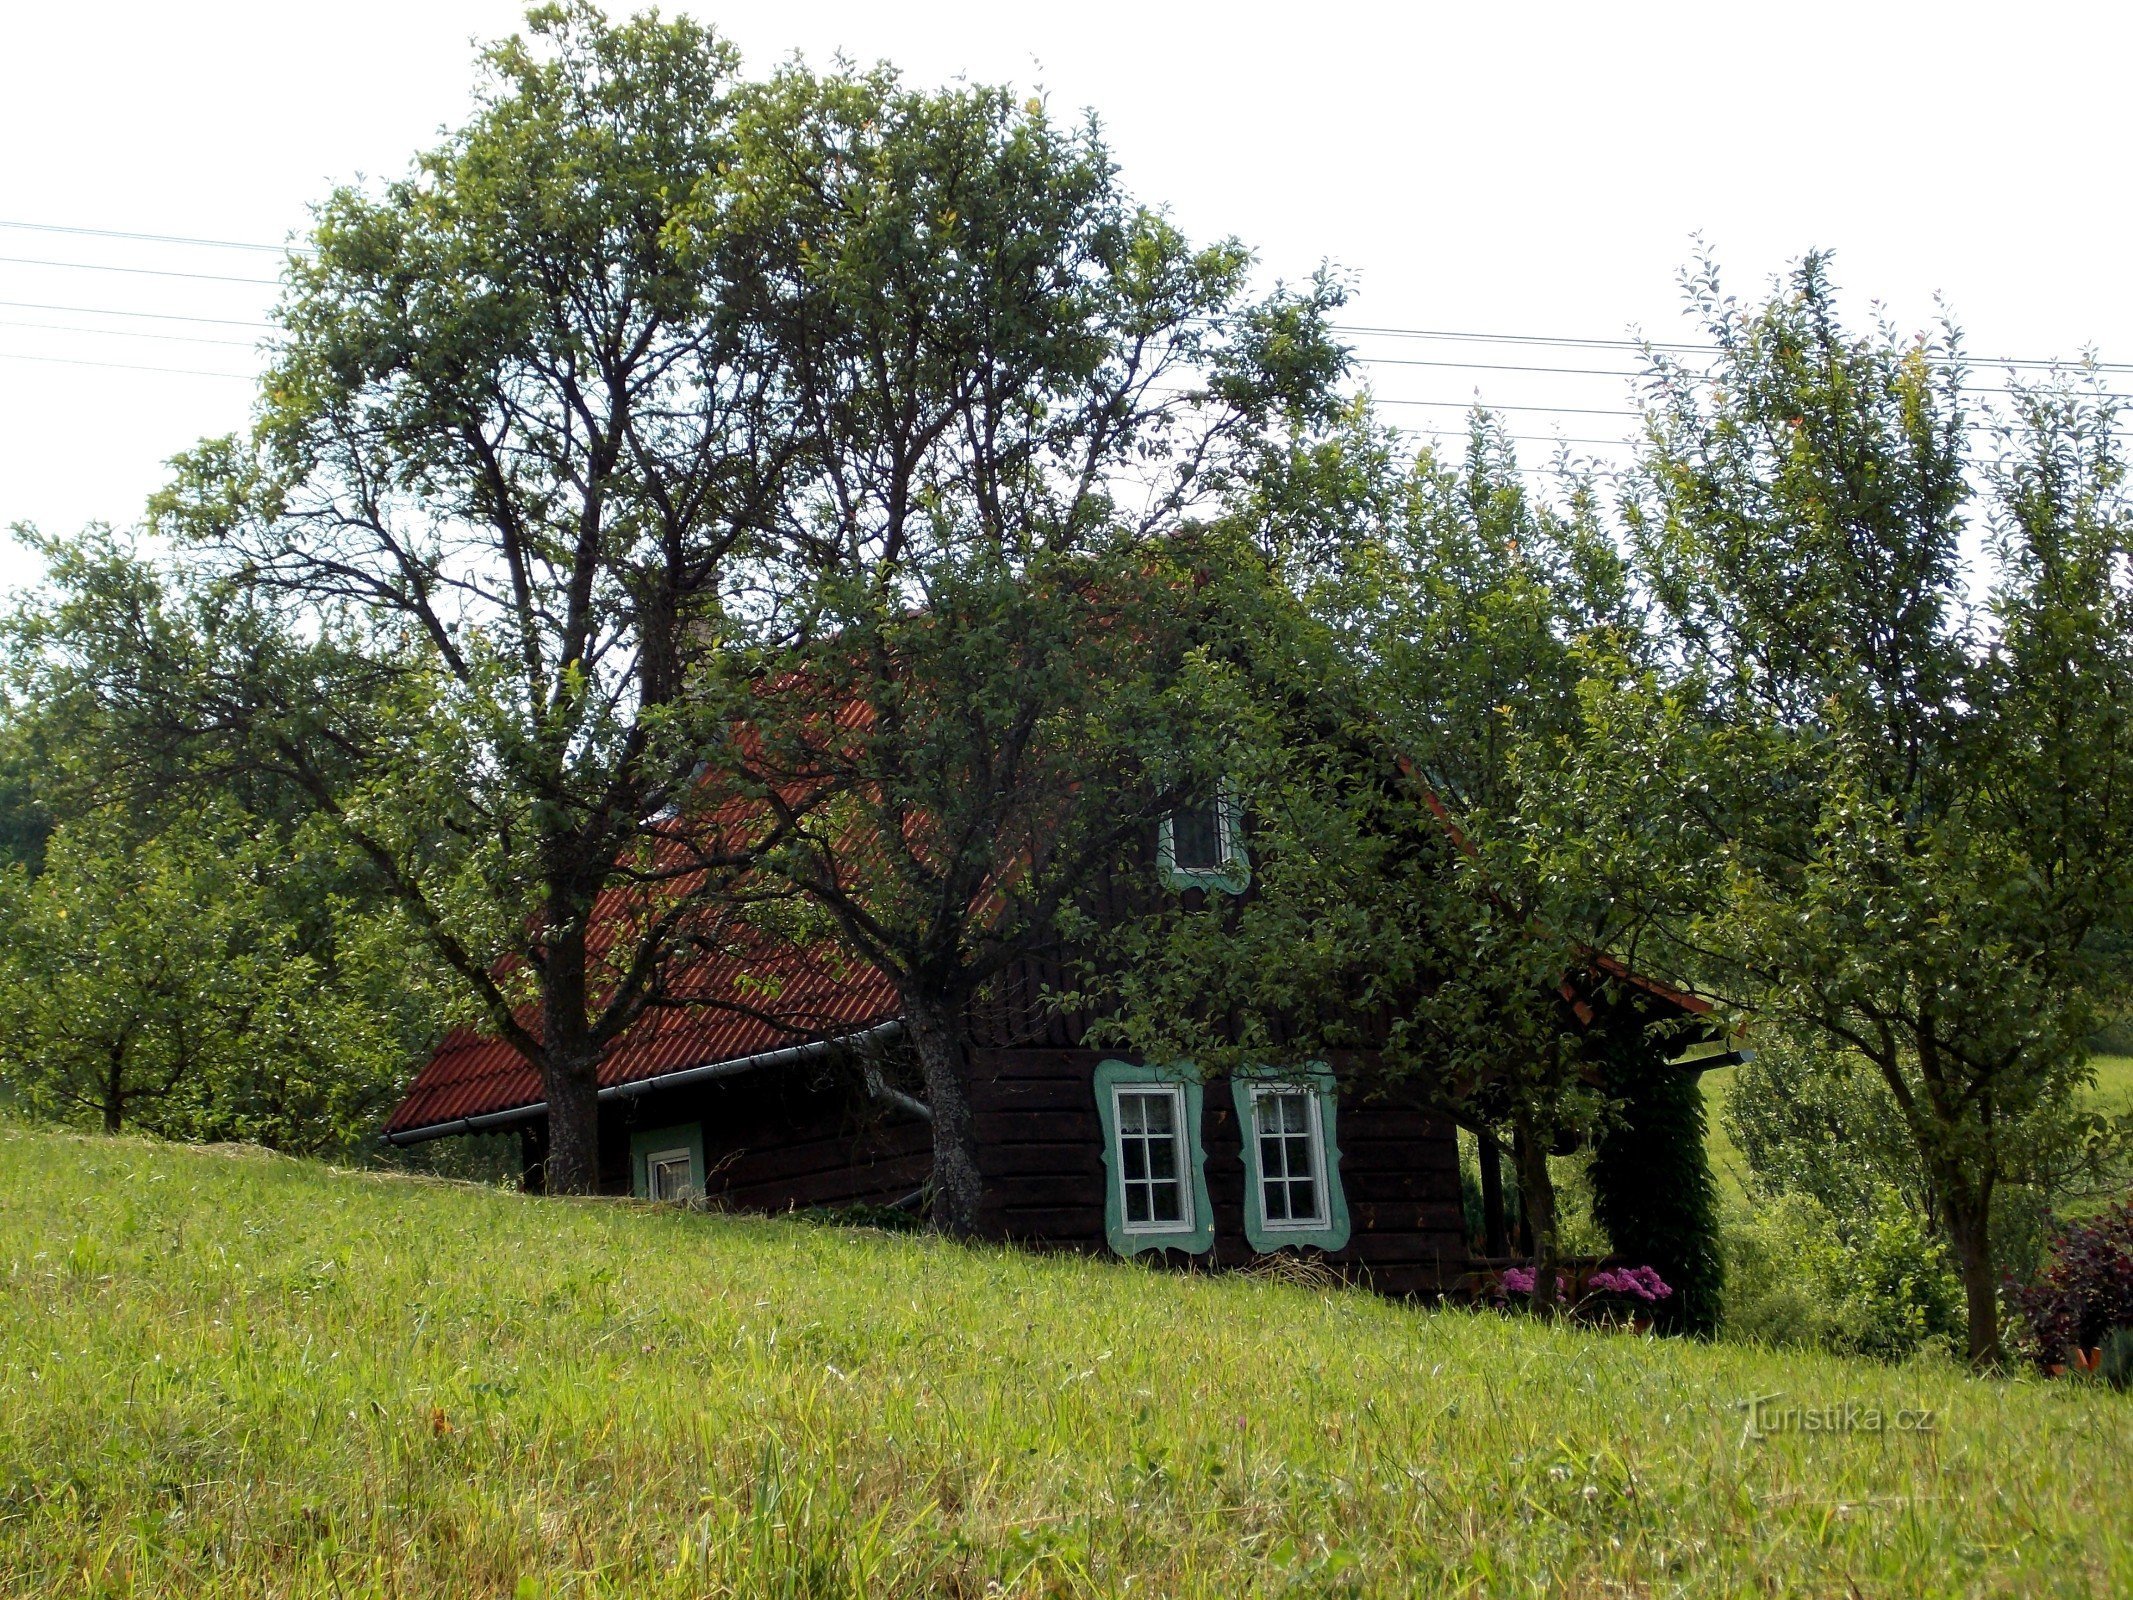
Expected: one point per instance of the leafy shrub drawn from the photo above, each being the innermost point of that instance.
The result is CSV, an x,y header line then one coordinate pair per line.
x,y
2085,1291
1875,1282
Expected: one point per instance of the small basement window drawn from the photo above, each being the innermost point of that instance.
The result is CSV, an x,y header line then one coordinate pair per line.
x,y
1201,845
667,1163
667,1175
1155,1168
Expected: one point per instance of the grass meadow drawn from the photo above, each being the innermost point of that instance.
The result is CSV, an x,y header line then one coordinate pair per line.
x,y
226,1373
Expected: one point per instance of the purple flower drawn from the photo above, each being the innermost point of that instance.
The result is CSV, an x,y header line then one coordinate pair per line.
x,y
1640,1283
1519,1280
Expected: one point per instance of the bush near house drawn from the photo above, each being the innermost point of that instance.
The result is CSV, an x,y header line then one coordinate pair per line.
x,y
2084,1295
234,1374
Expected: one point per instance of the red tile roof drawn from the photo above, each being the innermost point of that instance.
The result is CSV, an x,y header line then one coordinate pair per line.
x,y
758,994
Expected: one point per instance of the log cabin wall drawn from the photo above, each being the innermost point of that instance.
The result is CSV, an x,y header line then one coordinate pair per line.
x,y
776,1141
1042,1158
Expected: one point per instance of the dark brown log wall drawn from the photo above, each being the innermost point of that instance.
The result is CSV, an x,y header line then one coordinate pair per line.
x,y
780,1142
1041,1154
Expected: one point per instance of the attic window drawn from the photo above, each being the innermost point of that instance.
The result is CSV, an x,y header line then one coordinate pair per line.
x,y
1201,845
1198,841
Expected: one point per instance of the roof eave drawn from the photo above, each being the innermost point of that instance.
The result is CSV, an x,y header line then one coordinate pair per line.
x,y
784,1055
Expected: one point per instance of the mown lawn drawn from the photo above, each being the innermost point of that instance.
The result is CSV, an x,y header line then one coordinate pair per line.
x,y
226,1373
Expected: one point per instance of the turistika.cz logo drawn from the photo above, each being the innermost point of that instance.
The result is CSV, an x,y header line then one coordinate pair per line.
x,y
1769,1415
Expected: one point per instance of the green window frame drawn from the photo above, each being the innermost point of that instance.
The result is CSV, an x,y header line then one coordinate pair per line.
x,y
1271,1156
1134,1085
1234,875
652,1148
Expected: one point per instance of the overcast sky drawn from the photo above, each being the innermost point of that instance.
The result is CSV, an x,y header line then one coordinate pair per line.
x,y
1505,169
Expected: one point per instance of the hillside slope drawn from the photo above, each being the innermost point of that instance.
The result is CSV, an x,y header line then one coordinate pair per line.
x,y
226,1373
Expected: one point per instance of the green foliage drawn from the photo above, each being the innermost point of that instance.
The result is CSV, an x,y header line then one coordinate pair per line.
x,y
1012,385
358,1385
188,983
1865,827
1874,1281
189,950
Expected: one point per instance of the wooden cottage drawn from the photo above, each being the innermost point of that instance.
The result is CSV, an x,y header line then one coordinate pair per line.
x,y
790,1104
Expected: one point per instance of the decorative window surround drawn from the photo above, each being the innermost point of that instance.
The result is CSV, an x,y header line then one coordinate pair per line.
x,y
661,1157
1143,1109
1274,1155
1231,871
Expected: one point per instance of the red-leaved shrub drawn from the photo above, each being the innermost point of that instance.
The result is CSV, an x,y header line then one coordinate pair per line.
x,y
2084,1292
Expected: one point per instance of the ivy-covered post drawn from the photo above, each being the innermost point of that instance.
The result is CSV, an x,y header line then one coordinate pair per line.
x,y
1651,1179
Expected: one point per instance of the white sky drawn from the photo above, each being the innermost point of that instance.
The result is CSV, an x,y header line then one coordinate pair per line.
x,y
1534,169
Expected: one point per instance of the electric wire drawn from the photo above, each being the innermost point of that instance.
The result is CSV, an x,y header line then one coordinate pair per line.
x,y
156,238
142,272
127,366
129,333
158,316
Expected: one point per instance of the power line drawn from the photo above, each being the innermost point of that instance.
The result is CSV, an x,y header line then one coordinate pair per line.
x,y
127,366
157,238
145,272
158,316
130,333
1485,405
1362,330
1575,343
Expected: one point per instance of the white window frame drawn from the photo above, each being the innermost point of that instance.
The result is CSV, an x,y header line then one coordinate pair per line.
x,y
1225,846
1315,1134
1233,872
655,1159
1175,1094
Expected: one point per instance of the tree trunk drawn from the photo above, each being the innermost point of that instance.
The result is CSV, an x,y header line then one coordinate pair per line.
x,y
1970,1228
938,1033
1494,1235
115,1090
570,1072
1537,1189
573,1092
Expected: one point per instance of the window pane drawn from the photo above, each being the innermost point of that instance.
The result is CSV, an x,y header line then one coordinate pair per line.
x,y
1275,1197
1169,1202
1163,1159
1130,1113
1273,1158
1137,1202
1196,838
1159,1109
1299,1163
669,1178
1133,1158
1303,1199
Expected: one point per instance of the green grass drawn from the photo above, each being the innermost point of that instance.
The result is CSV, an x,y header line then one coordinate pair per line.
x,y
2114,1082
223,1373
